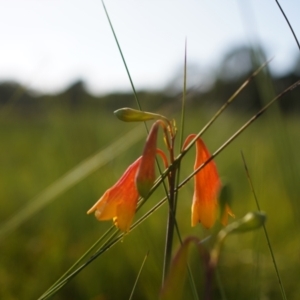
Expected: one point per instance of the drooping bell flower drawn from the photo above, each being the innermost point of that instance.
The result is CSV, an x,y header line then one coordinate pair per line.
x,y
119,202
207,186
146,173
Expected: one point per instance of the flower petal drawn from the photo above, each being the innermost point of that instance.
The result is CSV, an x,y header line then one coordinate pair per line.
x,y
207,186
119,202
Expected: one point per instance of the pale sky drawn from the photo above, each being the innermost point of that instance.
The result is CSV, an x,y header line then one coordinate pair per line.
x,y
48,44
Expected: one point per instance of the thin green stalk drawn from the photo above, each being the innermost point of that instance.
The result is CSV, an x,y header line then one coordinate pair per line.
x,y
289,24
224,106
170,225
131,81
138,276
122,56
236,134
72,272
256,283
174,180
183,97
107,245
222,147
225,144
190,275
84,256
265,231
65,279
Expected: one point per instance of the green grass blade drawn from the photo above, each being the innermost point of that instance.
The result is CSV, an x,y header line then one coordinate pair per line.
x,y
71,273
111,241
173,194
130,79
138,276
289,24
236,134
122,56
225,105
283,294
190,275
58,283
74,269
183,97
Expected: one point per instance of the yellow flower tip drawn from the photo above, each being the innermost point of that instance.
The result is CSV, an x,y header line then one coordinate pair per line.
x,y
119,202
224,217
204,213
224,200
145,176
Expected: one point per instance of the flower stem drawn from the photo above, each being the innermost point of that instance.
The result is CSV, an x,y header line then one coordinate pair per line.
x,y
170,225
172,206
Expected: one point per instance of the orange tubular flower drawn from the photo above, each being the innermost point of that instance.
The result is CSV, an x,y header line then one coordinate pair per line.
x,y
146,173
206,189
207,186
119,202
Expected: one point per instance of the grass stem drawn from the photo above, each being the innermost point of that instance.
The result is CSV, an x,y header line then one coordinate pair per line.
x,y
283,294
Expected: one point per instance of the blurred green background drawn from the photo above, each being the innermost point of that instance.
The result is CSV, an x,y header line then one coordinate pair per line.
x,y
44,136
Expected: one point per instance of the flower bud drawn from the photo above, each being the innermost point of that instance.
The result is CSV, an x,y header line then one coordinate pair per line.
x,y
132,115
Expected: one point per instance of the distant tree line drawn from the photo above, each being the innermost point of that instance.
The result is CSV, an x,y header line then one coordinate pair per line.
x,y
237,65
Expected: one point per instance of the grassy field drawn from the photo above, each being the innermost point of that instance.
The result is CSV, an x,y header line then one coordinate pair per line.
x,y
38,149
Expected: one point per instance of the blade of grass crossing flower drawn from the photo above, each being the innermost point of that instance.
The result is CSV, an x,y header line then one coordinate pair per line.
x,y
173,203
225,144
111,241
235,135
225,105
190,274
138,276
58,283
72,273
130,79
222,147
283,294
